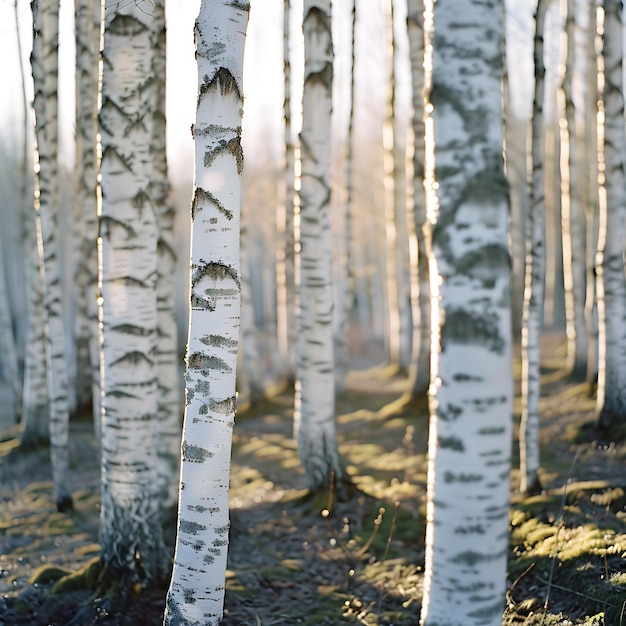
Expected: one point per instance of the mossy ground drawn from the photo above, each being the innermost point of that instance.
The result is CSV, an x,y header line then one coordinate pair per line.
x,y
326,561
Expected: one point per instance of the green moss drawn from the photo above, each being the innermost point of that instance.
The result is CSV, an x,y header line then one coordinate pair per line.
x,y
85,578
46,574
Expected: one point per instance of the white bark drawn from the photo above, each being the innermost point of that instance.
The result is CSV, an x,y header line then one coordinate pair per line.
x,y
169,401
130,530
534,288
87,16
420,297
250,362
471,391
196,593
389,186
9,374
572,217
285,261
347,286
34,394
45,51
591,166
315,386
610,264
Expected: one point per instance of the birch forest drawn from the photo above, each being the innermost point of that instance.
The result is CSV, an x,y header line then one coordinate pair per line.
x,y
312,313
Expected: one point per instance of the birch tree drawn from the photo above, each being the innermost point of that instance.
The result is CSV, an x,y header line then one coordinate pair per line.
x,y
534,288
572,217
393,312
611,285
169,402
132,547
420,376
196,592
9,373
87,19
45,104
285,262
471,391
347,288
315,385
591,167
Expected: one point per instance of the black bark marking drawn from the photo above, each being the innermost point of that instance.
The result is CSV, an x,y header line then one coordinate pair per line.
x,y
190,528
224,407
233,146
222,80
195,454
242,6
206,362
451,477
452,443
217,341
486,264
324,76
214,270
125,26
202,195
487,187
133,358
131,329
471,328
140,199
111,154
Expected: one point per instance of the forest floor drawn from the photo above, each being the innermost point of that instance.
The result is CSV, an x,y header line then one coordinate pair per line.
x,y
326,562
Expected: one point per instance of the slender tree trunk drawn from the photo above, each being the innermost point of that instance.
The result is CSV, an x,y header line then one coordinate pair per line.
x,y
347,287
471,391
315,386
420,300
9,374
532,316
572,218
132,547
389,185
87,17
196,593
169,401
285,269
35,408
591,166
45,52
610,264
250,362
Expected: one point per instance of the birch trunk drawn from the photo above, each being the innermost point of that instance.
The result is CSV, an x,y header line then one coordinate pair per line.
x,y
9,373
591,166
87,17
534,288
347,287
196,593
390,208
169,401
285,270
45,51
315,385
132,547
572,218
420,300
250,362
34,393
610,264
471,394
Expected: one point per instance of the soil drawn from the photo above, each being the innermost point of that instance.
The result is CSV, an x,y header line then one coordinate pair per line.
x,y
324,561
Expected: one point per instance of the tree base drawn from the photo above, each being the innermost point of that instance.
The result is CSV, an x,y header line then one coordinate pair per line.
x,y
65,504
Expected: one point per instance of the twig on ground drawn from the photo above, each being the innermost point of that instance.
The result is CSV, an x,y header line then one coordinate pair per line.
x,y
559,521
